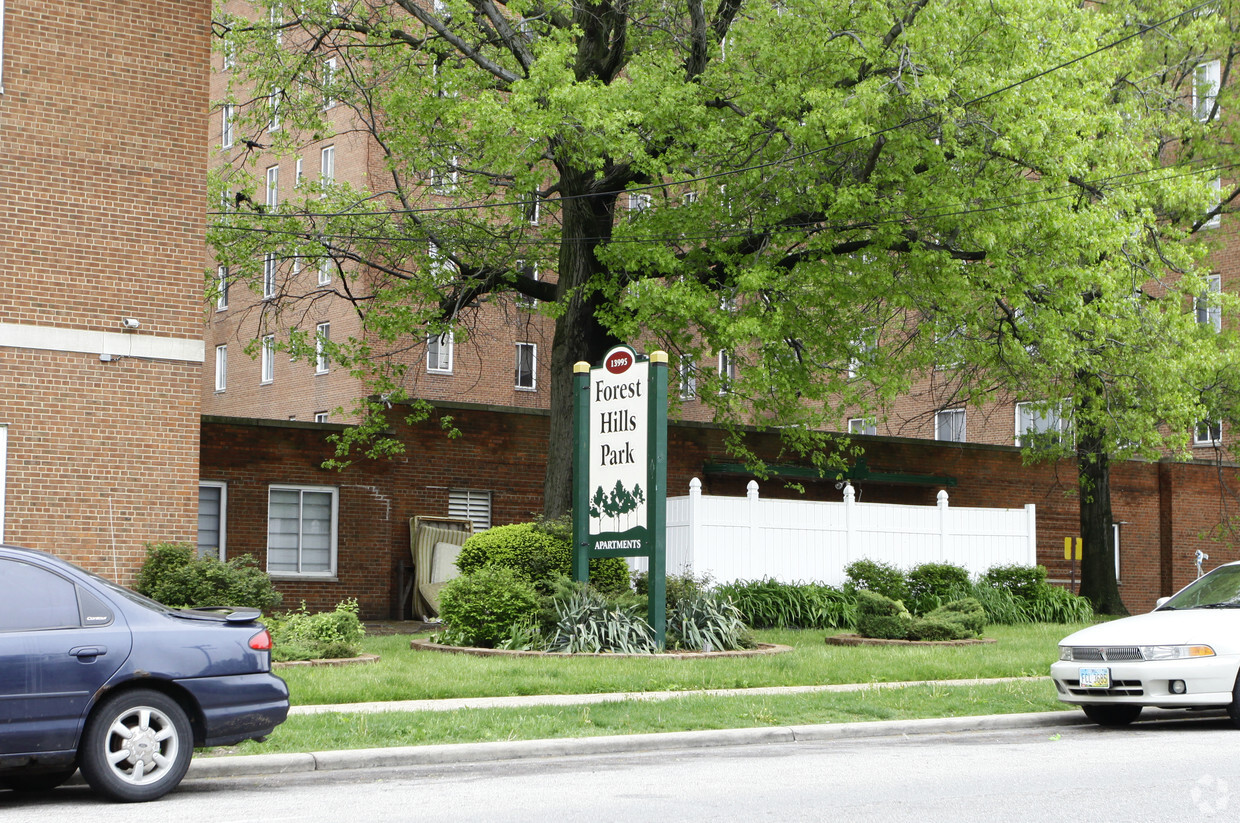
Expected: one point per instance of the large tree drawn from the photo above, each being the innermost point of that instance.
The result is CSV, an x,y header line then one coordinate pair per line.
x,y
826,191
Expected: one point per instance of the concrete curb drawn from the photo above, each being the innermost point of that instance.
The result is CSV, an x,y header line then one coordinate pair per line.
x,y
441,754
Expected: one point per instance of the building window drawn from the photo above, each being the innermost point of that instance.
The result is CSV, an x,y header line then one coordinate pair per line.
x,y
862,425
472,505
638,203
329,81
327,167
1206,80
949,425
1207,307
1,46
1208,433
862,348
325,271
687,372
267,357
528,270
221,288
1039,424
221,367
727,372
439,353
212,518
297,173
269,275
322,338
273,186
226,126
322,417
444,182
529,209
1217,220
273,105
527,367
301,530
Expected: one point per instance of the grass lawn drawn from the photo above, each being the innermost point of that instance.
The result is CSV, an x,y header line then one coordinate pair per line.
x,y
403,674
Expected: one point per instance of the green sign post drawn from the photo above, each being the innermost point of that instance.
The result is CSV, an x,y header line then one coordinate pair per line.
x,y
620,468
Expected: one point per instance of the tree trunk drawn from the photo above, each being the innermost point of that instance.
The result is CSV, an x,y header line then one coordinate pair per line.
x,y
587,223
1098,582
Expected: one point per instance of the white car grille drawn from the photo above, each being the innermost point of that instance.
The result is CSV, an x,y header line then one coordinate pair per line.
x,y
1094,653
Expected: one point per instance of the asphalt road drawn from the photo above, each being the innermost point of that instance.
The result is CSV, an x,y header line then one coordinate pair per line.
x,y
1152,771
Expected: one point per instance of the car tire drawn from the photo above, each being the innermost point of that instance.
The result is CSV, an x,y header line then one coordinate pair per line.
x,y
1233,708
1112,714
43,782
136,747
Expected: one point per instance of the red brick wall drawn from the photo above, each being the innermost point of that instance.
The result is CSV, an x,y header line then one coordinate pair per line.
x,y
1163,507
102,148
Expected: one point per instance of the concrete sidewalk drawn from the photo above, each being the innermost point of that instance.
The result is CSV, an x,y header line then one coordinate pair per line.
x,y
441,754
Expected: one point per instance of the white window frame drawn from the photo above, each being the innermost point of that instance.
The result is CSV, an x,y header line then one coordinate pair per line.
x,y
227,113
950,425
273,186
1217,220
531,271
1053,415
531,208
473,505
446,182
329,79
322,360
1207,308
267,360
863,345
1213,430
222,517
863,425
532,348
1207,78
269,275
439,353
638,202
297,173
322,417
221,367
325,271
726,367
327,167
273,102
221,288
1,92
686,372
330,572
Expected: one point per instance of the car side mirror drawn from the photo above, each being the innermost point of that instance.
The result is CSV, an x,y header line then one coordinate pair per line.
x,y
1160,602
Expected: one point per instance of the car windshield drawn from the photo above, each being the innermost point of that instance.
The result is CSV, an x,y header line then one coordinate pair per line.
x,y
1218,589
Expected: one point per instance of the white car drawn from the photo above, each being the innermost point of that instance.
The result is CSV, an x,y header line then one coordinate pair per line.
x,y
1183,655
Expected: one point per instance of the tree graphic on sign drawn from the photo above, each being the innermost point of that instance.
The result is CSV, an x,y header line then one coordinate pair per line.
x,y
620,501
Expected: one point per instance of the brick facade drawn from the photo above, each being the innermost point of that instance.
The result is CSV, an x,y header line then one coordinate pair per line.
x,y
102,146
1164,507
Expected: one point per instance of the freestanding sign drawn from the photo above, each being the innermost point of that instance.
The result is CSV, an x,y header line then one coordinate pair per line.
x,y
620,468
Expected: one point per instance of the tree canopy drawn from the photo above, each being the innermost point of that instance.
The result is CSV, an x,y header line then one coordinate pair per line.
x,y
845,197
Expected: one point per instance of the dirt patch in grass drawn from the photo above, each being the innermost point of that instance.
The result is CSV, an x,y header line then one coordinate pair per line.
x,y
762,649
858,640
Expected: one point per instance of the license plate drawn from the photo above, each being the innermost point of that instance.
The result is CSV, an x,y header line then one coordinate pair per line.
x,y
1095,678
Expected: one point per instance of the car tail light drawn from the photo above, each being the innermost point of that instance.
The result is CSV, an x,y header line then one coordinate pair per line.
x,y
261,641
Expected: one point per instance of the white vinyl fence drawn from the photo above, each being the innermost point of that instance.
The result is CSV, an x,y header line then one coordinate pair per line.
x,y
731,538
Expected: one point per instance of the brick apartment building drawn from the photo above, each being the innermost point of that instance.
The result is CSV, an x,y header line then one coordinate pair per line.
x,y
498,379
102,146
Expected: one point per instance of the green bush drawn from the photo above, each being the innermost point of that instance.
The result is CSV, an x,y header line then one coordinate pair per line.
x,y
770,604
174,575
876,576
590,622
300,635
1054,604
706,622
936,628
931,584
481,607
1020,581
957,620
882,617
678,586
538,552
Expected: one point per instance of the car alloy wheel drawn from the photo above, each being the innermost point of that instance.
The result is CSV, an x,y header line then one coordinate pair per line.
x,y
137,746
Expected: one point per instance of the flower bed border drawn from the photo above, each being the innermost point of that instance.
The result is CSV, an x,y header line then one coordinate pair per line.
x,y
332,661
762,649
858,640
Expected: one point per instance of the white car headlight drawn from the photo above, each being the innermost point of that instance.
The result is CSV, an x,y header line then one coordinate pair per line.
x,y
1175,652
1065,652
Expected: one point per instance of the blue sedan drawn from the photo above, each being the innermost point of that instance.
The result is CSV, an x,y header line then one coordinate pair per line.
x,y
97,677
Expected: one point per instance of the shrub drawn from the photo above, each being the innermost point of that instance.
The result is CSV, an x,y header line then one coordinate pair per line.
x,y
770,604
300,635
704,621
936,628
587,621
481,607
174,575
537,552
956,620
1054,604
876,576
881,617
678,586
1020,581
931,584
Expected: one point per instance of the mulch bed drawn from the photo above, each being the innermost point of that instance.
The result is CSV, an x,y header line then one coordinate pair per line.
x,y
858,640
336,661
762,649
